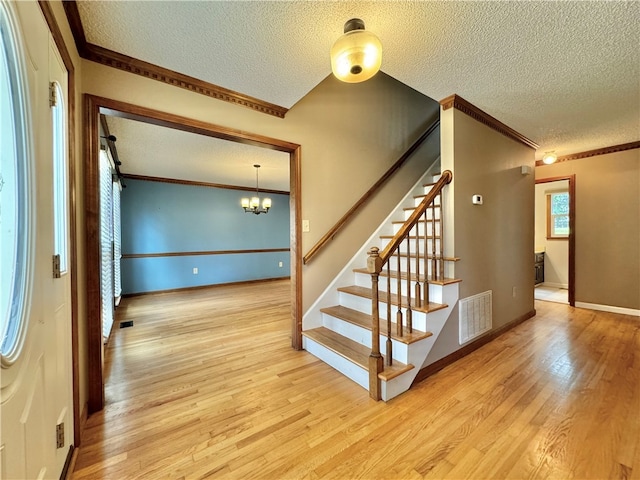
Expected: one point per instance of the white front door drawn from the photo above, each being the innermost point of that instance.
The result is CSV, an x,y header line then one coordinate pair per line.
x,y
36,384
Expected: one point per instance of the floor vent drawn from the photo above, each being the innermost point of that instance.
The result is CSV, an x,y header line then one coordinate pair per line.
x,y
128,323
475,316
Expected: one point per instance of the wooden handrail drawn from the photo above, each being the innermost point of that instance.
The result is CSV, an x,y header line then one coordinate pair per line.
x,y
383,179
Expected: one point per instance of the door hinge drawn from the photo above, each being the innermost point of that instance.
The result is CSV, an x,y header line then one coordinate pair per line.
x,y
53,95
60,435
56,266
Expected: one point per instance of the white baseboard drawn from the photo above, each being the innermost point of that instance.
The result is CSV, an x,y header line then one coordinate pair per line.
x,y
564,286
609,308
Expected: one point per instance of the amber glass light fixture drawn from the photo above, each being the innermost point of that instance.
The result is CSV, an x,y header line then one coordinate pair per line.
x,y
357,55
253,205
549,158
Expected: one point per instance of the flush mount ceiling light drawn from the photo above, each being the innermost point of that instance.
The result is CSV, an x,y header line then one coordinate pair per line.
x,y
357,55
253,205
549,158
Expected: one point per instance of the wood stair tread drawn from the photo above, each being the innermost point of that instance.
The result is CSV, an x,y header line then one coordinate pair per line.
x,y
402,222
412,237
366,293
406,209
403,275
353,351
364,320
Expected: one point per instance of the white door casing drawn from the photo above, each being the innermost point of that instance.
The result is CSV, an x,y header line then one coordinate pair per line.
x,y
36,387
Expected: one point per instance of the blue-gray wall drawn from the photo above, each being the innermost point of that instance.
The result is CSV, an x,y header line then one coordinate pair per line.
x,y
160,217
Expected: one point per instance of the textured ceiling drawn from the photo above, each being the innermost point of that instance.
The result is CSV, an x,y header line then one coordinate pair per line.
x,y
564,74
146,149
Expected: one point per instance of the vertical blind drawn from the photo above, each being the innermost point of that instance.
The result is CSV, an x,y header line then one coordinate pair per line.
x,y
106,245
117,249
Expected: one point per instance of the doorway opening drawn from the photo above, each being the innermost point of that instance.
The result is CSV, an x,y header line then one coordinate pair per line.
x,y
555,213
94,107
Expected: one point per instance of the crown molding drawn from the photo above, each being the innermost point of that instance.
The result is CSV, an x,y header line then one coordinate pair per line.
x,y
459,103
592,153
110,58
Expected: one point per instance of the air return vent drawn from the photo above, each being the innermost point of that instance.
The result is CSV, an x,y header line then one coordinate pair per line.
x,y
475,316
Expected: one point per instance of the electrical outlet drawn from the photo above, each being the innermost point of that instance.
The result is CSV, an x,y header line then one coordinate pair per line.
x,y
280,264
305,225
195,270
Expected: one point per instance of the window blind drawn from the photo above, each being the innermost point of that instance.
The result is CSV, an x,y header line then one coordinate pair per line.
x,y
106,245
117,241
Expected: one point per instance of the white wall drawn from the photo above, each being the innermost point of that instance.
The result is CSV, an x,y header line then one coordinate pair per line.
x,y
556,257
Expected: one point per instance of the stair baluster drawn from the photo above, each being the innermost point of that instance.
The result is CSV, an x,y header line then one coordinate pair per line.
x,y
409,312
441,238
434,260
389,343
398,289
418,293
426,259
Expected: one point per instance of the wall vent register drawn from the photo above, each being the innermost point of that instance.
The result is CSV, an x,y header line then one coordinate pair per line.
x,y
475,316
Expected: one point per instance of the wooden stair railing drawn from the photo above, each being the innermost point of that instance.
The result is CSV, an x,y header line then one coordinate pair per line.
x,y
378,260
365,198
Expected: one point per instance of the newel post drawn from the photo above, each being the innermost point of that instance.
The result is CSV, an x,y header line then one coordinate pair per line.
x,y
375,358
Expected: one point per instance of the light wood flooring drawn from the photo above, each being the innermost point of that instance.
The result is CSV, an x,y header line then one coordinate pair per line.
x,y
206,385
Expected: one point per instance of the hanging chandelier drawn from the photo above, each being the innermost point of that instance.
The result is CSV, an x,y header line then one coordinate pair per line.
x,y
253,205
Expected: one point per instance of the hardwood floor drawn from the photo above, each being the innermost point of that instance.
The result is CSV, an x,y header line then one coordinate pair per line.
x,y
206,385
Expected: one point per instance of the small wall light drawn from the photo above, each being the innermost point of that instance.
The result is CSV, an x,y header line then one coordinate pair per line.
x,y
549,158
357,55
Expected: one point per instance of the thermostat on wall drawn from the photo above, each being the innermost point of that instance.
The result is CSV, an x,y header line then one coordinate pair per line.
x,y
476,199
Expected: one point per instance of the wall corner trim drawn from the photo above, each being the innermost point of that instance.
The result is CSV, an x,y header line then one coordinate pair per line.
x,y
438,365
459,103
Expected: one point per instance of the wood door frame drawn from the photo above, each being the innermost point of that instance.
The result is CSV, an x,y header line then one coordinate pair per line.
x,y
572,231
93,107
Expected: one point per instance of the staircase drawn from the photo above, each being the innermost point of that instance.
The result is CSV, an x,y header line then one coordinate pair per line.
x,y
340,328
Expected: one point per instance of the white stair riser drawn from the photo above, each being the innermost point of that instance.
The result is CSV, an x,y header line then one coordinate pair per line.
x,y
363,336
420,228
354,302
396,386
409,212
418,200
428,264
414,244
344,366
435,291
